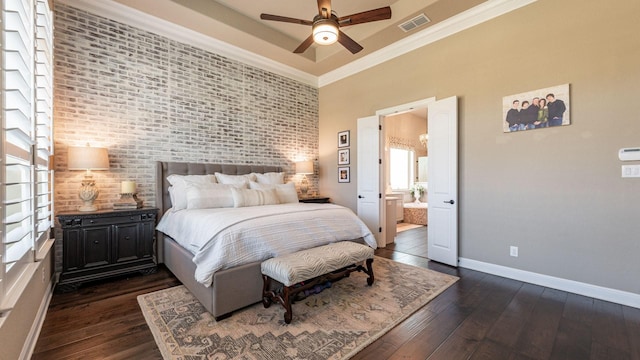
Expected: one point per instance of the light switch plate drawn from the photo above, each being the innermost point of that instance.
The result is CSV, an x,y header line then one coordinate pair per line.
x,y
629,171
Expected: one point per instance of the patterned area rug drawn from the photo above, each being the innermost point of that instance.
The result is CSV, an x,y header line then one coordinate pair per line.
x,y
334,324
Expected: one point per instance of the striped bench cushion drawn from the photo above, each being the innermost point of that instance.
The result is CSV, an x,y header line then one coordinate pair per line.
x,y
307,264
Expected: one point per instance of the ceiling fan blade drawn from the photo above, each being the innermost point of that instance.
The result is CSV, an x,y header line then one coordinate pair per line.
x,y
304,46
348,42
324,4
285,19
366,16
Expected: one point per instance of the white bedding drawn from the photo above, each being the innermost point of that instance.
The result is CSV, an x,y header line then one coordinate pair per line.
x,y
222,238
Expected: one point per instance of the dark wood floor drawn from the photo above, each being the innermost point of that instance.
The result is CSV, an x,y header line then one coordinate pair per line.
x,y
480,317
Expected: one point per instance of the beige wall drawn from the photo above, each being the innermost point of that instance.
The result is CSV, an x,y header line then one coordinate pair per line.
x,y
555,193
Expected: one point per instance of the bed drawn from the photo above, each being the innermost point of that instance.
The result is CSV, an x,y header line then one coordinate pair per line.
x,y
226,287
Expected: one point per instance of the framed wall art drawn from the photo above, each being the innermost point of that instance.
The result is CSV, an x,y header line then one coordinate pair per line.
x,y
343,157
536,109
343,175
343,139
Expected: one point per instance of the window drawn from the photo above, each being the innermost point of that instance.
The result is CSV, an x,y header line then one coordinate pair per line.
x,y
401,168
25,178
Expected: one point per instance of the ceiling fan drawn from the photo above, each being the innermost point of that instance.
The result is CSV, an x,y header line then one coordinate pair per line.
x,y
326,25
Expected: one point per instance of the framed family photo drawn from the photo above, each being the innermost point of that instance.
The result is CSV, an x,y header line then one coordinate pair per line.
x,y
343,174
536,109
343,139
343,157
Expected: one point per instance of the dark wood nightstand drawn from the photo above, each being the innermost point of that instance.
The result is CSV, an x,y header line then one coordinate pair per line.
x,y
315,199
101,244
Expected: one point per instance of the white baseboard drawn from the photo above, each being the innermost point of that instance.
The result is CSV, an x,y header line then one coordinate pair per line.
x,y
594,291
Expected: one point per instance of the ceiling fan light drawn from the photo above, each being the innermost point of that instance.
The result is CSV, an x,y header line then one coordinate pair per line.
x,y
325,33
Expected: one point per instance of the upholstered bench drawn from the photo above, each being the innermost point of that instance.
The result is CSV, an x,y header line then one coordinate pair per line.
x,y
305,269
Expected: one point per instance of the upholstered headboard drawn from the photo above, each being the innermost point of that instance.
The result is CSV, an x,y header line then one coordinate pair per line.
x,y
166,168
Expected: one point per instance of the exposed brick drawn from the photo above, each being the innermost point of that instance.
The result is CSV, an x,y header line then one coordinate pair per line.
x,y
148,98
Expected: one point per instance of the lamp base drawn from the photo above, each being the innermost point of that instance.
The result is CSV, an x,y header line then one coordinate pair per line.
x,y
88,207
128,201
88,193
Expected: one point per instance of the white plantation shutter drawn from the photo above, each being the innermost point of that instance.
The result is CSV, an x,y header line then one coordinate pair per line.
x,y
26,208
43,122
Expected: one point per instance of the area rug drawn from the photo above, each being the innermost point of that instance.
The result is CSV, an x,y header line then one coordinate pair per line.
x,y
333,324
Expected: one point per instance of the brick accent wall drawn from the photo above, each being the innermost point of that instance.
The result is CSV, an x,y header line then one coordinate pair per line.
x,y
147,98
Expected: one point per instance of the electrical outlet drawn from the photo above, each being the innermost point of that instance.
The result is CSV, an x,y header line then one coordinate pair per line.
x,y
513,251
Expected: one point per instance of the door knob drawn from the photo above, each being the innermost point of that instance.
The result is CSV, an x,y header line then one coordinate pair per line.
x,y
360,197
449,202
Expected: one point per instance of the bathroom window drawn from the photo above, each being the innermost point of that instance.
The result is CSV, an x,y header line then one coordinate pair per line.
x,y
401,168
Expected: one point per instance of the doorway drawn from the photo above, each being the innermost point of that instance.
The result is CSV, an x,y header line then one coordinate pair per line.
x,y
405,176
442,167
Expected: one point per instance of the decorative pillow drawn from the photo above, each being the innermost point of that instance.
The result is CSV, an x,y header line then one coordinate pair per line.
x,y
235,179
178,188
208,196
253,197
286,192
270,178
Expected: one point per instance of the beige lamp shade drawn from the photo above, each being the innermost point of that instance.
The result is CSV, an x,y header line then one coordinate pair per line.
x,y
304,167
87,158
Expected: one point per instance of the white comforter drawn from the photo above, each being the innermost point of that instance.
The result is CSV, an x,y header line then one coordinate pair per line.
x,y
226,237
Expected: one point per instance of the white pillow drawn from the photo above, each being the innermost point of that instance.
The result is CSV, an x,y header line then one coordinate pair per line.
x,y
235,179
253,197
286,192
270,178
178,188
208,196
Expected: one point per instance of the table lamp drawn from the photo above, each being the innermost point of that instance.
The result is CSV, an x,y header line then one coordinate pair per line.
x,y
304,168
88,158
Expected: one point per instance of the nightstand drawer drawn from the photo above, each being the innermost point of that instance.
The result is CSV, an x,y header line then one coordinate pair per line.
x,y
111,220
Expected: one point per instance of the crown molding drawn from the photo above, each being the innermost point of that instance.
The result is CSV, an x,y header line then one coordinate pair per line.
x,y
466,19
133,17
136,18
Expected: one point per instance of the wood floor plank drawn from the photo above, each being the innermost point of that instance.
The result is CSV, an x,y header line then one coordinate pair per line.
x,y
609,329
632,322
432,336
511,322
539,334
573,340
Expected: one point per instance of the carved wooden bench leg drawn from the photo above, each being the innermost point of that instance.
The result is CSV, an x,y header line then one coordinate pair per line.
x,y
267,294
369,272
286,297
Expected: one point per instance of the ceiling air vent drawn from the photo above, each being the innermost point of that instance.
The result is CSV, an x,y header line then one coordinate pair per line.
x,y
414,23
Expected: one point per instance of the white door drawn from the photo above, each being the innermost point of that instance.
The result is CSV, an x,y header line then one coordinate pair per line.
x,y
442,231
369,176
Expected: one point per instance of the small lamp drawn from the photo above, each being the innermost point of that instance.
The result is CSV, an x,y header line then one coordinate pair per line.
x,y
304,168
128,196
88,158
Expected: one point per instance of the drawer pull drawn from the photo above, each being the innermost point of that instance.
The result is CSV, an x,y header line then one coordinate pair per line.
x,y
126,238
96,242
